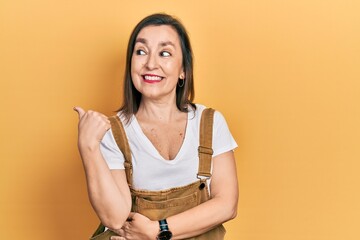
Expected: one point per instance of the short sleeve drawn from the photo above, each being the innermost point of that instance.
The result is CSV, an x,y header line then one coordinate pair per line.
x,y
111,152
223,141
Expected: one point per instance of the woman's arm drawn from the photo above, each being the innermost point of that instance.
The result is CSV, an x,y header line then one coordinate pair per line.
x,y
220,208
108,190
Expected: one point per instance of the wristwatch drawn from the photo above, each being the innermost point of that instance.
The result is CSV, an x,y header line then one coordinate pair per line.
x,y
164,233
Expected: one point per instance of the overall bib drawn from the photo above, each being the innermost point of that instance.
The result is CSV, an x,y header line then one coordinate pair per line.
x,y
157,205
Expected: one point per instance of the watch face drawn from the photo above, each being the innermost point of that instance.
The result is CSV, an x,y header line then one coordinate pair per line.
x,y
164,235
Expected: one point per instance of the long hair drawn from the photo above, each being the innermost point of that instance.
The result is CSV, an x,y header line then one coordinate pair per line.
x,y
184,94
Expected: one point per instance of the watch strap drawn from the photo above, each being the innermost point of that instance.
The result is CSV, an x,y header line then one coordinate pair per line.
x,y
163,225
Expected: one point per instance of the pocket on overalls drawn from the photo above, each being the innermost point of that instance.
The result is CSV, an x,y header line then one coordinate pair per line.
x,y
156,210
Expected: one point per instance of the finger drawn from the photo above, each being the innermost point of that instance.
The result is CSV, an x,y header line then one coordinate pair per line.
x,y
80,111
117,238
108,124
126,226
130,217
121,232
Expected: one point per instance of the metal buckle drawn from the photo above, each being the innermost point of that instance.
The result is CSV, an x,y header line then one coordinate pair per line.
x,y
202,177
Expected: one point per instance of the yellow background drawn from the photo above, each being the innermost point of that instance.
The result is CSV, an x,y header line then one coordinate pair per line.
x,y
286,75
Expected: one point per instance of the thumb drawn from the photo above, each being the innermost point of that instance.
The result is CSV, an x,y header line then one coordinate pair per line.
x,y
80,111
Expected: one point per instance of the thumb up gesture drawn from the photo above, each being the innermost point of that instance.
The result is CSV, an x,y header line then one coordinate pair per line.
x,y
92,128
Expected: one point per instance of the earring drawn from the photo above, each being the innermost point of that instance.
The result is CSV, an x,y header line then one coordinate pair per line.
x,y
181,83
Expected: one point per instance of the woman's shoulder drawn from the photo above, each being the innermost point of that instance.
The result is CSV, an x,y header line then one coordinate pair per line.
x,y
200,108
219,118
194,112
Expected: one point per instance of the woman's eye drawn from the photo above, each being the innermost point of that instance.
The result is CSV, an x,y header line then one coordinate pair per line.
x,y
140,52
165,54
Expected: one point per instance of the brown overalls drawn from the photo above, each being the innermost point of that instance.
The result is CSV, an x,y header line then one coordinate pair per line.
x,y
157,205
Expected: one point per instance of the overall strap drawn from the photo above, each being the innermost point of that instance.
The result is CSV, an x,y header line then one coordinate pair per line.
x,y
122,142
205,148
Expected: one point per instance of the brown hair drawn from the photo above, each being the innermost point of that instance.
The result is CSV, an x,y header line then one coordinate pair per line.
x,y
184,94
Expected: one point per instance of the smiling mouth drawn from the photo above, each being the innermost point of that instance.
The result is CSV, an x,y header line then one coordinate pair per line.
x,y
151,78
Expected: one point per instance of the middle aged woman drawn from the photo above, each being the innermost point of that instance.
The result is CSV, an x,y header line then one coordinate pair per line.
x,y
159,128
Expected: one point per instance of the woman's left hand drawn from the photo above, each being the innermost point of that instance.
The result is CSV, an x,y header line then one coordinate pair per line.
x,y
138,227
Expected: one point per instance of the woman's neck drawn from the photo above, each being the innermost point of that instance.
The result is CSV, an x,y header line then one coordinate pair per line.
x,y
158,111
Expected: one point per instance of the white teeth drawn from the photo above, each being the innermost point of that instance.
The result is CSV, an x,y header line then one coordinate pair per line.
x,y
152,78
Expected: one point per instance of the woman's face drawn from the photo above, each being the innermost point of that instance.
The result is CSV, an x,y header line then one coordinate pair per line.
x,y
156,63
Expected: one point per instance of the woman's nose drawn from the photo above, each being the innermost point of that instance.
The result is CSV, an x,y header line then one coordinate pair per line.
x,y
151,62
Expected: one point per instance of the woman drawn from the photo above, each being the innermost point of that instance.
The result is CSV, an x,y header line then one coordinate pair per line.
x,y
161,128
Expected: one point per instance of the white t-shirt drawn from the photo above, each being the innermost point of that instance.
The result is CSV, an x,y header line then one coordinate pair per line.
x,y
150,170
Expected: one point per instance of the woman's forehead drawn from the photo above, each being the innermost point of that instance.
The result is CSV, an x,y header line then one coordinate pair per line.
x,y
159,35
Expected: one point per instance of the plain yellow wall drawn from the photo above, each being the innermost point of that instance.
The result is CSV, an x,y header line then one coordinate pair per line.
x,y
286,74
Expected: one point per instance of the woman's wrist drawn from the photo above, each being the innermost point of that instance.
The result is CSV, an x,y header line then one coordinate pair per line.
x,y
154,230
86,148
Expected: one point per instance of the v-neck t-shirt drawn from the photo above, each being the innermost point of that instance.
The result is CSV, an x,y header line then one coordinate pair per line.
x,y
150,170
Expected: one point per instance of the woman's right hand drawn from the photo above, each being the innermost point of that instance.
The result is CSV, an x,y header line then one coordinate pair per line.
x,y
92,128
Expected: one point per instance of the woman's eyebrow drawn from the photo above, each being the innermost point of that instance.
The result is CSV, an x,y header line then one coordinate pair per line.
x,y
164,44
141,40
